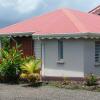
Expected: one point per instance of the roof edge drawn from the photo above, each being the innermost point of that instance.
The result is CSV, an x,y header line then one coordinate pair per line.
x,y
17,34
67,36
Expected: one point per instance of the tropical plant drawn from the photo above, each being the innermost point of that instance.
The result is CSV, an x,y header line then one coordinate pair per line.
x,y
27,59
31,70
5,42
91,80
10,66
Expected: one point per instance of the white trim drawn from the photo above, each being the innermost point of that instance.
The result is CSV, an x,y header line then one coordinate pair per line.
x,y
43,56
37,49
61,61
97,64
17,34
66,36
21,35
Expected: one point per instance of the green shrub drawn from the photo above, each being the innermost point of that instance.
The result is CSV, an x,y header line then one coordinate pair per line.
x,y
91,80
10,66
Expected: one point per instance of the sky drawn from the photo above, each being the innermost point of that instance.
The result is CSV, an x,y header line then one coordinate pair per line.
x,y
13,11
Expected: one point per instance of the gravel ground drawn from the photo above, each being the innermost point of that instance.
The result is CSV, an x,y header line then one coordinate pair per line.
x,y
20,92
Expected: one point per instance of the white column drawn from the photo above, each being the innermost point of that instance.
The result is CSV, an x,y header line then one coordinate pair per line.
x,y
37,49
43,56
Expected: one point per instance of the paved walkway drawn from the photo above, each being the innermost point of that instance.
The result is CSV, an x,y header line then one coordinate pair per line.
x,y
18,92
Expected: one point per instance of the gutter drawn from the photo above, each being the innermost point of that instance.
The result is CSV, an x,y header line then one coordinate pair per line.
x,y
67,36
14,34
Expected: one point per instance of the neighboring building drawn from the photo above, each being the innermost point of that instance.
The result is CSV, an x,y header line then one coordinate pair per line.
x,y
67,42
95,10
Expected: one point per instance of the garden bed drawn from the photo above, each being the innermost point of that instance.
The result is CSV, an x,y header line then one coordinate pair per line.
x,y
72,85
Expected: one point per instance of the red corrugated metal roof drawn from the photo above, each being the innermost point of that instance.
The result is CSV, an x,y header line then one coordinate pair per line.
x,y
60,22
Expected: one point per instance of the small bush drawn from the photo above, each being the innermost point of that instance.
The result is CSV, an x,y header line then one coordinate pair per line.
x,y
91,80
30,70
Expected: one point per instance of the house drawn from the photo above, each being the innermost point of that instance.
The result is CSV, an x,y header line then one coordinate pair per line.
x,y
67,41
95,10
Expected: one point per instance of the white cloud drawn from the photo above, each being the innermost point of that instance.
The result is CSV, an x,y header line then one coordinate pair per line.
x,y
22,6
27,5
7,3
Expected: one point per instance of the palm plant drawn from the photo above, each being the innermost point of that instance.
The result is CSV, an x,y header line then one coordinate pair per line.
x,y
31,70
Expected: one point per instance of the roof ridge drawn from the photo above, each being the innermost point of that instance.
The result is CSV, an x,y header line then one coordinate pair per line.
x,y
73,19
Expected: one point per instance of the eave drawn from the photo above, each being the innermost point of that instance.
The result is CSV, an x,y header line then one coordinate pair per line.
x,y
67,36
17,34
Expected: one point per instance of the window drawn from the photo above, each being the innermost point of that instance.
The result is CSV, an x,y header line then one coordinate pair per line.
x,y
60,49
97,51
